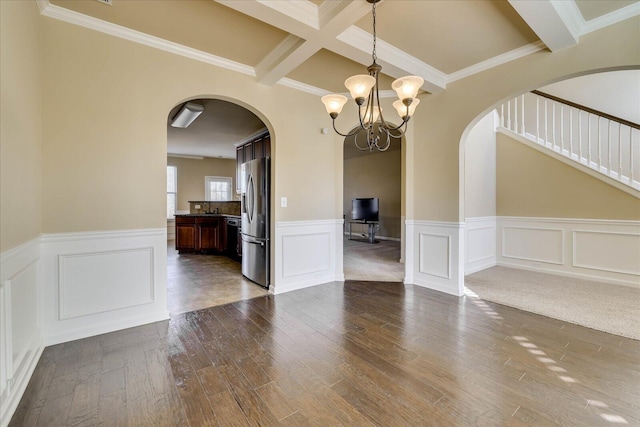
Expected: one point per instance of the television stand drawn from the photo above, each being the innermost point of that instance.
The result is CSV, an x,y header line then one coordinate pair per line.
x,y
373,225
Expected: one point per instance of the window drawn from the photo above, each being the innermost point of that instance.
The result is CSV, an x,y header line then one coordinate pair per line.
x,y
172,191
217,188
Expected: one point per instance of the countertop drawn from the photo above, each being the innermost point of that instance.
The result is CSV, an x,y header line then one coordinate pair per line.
x,y
206,215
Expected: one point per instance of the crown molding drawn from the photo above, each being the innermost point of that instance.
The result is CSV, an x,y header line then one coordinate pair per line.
x,y
496,61
297,85
611,18
353,36
66,15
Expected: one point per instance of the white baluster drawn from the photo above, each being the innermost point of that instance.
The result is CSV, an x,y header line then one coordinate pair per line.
x,y
630,155
570,132
502,115
553,123
619,152
599,146
580,136
515,114
589,137
562,129
524,132
609,145
537,119
546,121
509,115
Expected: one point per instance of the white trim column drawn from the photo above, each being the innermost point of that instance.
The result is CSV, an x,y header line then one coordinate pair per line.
x,y
435,255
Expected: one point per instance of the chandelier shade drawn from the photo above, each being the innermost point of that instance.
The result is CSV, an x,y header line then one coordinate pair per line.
x,y
364,90
334,103
360,85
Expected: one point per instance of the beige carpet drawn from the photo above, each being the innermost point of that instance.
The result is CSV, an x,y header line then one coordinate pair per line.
x,y
601,306
373,262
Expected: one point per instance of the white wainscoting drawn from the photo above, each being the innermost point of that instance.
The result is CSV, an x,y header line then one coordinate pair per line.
x,y
480,243
434,255
20,338
307,253
98,282
602,250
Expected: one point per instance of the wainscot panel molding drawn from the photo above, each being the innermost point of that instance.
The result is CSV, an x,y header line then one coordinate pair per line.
x,y
602,250
434,255
98,282
21,341
480,240
307,253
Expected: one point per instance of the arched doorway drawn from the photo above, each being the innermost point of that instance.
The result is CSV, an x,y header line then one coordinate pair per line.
x,y
373,209
204,159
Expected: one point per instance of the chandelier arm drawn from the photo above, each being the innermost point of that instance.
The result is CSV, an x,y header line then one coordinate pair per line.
x,y
355,140
343,134
388,141
398,128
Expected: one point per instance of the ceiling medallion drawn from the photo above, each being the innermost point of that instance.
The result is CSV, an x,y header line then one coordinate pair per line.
x,y
364,90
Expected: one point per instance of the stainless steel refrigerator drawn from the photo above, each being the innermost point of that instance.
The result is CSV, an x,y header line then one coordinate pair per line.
x,y
255,190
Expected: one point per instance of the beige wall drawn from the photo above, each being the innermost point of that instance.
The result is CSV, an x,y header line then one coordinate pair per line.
x,y
376,175
104,151
105,145
532,184
480,169
20,115
443,118
191,173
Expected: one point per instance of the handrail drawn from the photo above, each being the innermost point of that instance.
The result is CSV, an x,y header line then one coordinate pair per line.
x,y
587,109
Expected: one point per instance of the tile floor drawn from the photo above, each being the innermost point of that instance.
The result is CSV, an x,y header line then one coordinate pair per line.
x,y
199,281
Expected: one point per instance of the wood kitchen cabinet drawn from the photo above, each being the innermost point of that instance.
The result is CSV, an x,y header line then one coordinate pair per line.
x,y
256,149
200,233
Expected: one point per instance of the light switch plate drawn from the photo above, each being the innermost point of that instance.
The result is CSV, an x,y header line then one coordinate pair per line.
x,y
283,202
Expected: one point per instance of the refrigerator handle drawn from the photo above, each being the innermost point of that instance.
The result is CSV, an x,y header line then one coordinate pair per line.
x,y
253,242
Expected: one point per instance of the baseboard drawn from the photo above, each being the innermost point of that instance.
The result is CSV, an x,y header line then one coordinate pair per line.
x,y
429,284
476,267
104,328
11,400
571,274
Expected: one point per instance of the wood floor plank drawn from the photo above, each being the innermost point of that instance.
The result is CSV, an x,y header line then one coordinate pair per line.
x,y
352,354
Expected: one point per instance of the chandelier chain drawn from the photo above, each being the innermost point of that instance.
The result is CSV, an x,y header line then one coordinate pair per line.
x,y
373,12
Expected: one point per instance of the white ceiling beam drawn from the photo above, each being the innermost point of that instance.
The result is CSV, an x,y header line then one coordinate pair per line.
x,y
330,26
557,22
288,55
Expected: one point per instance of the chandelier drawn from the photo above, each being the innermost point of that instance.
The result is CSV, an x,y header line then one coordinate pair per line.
x,y
364,91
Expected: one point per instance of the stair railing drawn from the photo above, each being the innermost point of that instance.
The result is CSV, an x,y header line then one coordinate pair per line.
x,y
600,141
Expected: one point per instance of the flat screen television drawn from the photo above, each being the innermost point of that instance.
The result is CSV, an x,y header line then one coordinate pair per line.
x,y
365,209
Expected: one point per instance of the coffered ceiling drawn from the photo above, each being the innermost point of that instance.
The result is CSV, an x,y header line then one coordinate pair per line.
x,y
315,45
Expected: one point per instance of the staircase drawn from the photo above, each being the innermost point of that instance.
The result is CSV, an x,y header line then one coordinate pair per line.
x,y
594,140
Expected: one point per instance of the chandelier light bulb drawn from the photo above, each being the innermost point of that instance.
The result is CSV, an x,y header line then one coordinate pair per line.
x,y
365,113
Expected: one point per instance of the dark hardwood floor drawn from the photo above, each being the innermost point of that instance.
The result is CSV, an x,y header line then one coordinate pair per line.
x,y
358,354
